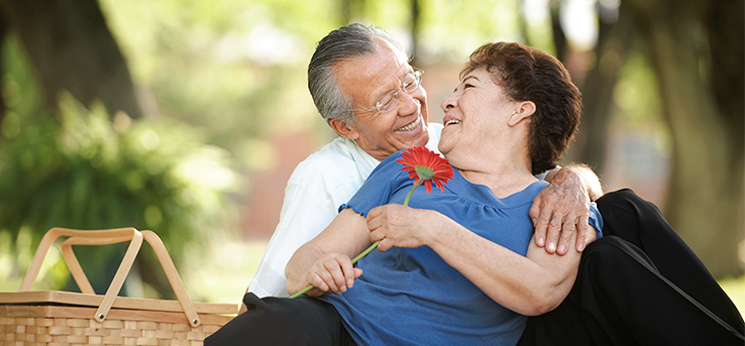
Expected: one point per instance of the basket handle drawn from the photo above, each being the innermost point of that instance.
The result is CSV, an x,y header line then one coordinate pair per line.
x,y
101,237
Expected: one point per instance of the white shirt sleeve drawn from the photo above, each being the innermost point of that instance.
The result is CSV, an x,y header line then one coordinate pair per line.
x,y
304,215
316,189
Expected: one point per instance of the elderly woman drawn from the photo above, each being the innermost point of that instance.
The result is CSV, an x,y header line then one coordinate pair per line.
x,y
454,268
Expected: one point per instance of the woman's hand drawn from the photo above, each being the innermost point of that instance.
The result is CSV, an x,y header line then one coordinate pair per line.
x,y
401,226
332,273
563,208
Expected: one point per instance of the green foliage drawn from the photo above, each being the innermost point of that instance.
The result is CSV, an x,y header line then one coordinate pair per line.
x,y
453,29
79,169
84,172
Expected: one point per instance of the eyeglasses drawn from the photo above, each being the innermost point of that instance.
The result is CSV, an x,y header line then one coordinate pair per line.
x,y
390,100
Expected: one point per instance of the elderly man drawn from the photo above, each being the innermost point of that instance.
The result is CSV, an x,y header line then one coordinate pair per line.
x,y
364,87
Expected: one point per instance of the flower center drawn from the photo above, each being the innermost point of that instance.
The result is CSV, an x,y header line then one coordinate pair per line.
x,y
425,172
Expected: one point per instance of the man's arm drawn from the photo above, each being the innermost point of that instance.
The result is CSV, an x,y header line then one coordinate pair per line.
x,y
563,207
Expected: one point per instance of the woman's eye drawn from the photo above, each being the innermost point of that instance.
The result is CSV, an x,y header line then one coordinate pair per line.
x,y
466,86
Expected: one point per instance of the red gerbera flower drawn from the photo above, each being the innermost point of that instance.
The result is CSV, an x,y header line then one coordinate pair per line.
x,y
426,166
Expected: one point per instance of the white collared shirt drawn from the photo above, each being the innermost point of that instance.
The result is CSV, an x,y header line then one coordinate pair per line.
x,y
318,186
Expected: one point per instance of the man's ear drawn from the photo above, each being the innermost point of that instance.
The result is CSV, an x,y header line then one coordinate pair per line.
x,y
523,111
343,128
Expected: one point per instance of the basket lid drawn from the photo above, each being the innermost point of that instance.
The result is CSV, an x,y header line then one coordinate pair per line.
x,y
81,299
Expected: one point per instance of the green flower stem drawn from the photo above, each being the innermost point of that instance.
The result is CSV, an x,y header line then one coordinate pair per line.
x,y
301,292
406,201
367,251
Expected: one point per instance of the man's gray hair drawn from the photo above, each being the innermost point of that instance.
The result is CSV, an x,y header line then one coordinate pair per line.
x,y
348,42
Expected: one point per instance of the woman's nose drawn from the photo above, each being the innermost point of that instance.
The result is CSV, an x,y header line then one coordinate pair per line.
x,y
448,103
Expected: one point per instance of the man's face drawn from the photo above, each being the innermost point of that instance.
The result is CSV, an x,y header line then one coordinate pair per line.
x,y
366,80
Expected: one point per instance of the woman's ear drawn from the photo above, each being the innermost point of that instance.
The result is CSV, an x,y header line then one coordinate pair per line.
x,y
523,111
343,128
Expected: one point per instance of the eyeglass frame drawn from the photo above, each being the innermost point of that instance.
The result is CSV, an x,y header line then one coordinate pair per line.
x,y
395,99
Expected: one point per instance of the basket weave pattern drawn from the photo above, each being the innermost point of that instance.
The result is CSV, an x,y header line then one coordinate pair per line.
x,y
68,318
49,331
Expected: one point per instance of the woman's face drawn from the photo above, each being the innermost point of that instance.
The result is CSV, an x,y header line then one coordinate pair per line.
x,y
476,115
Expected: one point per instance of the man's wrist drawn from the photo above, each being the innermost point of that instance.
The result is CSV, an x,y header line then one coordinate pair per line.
x,y
590,182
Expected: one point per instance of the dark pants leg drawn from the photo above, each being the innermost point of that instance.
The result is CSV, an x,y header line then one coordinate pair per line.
x,y
283,322
641,223
640,285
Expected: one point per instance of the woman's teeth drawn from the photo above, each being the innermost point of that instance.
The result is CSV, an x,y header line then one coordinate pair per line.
x,y
452,121
411,126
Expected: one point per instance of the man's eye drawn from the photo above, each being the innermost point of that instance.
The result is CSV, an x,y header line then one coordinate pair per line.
x,y
385,102
409,85
467,86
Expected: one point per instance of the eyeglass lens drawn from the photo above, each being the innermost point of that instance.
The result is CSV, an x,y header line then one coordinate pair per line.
x,y
390,100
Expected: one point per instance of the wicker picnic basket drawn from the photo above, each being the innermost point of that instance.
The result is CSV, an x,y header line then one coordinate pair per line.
x,y
70,318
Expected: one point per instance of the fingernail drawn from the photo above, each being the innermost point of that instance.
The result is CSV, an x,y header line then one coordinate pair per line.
x,y
534,221
540,241
551,246
580,247
350,283
561,248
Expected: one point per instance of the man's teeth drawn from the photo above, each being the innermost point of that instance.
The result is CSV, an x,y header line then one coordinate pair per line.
x,y
410,126
452,121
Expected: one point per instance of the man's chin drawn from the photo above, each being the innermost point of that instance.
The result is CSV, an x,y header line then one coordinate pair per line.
x,y
418,141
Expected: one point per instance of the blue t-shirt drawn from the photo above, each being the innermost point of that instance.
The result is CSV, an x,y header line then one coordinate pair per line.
x,y
411,296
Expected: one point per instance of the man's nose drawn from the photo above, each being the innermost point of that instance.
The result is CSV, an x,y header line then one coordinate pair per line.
x,y
409,104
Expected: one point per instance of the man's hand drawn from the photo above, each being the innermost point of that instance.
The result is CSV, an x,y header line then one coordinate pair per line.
x,y
563,208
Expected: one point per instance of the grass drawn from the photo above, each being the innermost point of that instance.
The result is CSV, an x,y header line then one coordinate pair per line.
x,y
735,289
224,277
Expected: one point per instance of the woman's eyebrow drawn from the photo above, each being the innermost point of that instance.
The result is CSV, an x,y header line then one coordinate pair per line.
x,y
469,77
466,79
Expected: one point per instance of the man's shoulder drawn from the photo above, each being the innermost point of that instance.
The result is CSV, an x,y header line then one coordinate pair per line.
x,y
435,130
333,159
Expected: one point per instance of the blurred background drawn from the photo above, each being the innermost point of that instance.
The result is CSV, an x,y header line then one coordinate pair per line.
x,y
187,117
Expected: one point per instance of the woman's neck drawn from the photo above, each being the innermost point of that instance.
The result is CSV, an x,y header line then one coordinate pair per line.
x,y
505,170
503,182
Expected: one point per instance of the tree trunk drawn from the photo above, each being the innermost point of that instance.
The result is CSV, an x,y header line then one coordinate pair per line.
x,y
351,10
416,26
3,35
705,198
72,49
561,45
614,42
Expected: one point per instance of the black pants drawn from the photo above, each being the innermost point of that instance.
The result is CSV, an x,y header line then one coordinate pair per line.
x,y
639,285
283,322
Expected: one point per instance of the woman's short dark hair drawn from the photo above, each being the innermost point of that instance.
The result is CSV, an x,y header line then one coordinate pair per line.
x,y
529,74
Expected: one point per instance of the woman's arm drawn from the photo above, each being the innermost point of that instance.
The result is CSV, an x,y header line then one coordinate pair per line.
x,y
325,261
530,285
